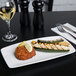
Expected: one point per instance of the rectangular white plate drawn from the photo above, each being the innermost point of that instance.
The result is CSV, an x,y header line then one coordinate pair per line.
x,y
13,62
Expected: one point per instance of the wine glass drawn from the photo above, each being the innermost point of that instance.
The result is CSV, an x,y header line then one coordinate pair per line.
x,y
7,11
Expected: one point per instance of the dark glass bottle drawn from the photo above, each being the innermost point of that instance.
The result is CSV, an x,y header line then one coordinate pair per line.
x,y
24,15
38,21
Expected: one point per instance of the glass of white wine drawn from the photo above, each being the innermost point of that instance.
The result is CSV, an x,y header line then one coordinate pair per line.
x,y
7,11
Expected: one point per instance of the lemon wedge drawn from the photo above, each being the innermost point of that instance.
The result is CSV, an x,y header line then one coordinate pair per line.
x,y
27,45
21,44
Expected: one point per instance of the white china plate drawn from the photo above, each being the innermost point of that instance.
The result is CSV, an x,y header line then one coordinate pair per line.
x,y
13,62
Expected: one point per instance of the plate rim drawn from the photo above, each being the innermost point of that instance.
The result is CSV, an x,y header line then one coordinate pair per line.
x,y
37,61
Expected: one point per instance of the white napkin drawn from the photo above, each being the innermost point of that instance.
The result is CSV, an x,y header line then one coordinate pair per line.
x,y
66,35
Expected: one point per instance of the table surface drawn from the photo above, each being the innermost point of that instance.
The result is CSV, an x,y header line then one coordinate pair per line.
x,y
64,65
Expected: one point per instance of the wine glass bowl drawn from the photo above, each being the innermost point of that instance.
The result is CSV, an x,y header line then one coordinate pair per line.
x,y
7,11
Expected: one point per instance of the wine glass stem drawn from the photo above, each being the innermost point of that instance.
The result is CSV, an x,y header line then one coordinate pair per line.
x,y
9,29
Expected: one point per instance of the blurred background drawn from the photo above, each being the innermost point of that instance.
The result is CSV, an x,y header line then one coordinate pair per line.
x,y
53,5
56,5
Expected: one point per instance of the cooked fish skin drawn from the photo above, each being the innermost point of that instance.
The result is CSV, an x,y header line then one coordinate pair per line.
x,y
50,46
